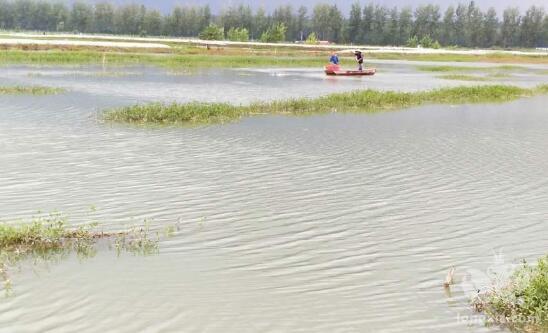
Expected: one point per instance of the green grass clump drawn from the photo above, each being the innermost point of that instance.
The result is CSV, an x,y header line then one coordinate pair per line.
x,y
30,90
463,77
523,302
357,101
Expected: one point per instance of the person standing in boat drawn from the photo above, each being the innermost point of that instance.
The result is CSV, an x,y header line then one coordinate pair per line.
x,y
359,59
334,60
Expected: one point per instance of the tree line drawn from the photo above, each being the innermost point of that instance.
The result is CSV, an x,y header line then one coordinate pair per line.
x,y
465,25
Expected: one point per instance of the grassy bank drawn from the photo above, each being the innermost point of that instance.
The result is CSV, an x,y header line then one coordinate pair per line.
x,y
358,101
30,90
49,238
522,303
174,60
199,56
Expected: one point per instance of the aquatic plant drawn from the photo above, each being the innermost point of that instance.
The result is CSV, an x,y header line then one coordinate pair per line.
x,y
50,238
522,303
450,68
463,77
30,90
357,101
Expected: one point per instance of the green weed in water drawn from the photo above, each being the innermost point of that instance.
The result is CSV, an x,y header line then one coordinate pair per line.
x,y
522,304
29,90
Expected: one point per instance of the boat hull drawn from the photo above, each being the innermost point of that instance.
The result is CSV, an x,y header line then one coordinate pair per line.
x,y
365,72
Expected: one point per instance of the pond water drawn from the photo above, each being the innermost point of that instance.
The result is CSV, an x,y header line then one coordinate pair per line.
x,y
325,223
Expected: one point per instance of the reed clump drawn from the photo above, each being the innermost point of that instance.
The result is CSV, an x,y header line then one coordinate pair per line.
x,y
357,101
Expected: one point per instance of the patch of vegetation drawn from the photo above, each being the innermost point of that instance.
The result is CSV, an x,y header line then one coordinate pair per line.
x,y
463,77
523,302
357,101
49,238
30,90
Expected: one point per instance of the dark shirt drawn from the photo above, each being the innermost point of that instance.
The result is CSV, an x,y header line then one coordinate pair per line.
x,y
359,57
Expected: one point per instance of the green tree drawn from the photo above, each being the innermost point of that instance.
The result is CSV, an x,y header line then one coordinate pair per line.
x,y
104,18
274,34
510,27
460,25
238,35
302,19
367,23
81,17
212,32
531,27
153,22
354,29
427,21
260,23
393,37
405,25
448,29
490,28
284,15
474,22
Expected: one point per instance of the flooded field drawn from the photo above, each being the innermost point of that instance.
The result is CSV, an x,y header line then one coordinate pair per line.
x,y
325,223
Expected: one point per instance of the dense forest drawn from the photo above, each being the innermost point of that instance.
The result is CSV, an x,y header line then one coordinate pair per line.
x,y
464,25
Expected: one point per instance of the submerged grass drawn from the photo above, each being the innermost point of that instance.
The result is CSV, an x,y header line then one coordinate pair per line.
x,y
357,101
463,77
522,303
30,90
49,238
449,68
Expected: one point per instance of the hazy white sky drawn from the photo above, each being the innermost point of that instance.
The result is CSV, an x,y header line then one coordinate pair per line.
x,y
166,5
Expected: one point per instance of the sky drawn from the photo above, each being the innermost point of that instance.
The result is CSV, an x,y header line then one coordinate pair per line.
x,y
344,5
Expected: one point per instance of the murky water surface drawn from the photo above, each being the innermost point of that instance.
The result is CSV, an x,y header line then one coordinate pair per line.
x,y
327,223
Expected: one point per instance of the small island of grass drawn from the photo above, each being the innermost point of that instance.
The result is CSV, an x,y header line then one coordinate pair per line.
x,y
357,101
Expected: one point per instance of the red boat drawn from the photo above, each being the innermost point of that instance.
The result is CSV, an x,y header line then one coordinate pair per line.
x,y
335,70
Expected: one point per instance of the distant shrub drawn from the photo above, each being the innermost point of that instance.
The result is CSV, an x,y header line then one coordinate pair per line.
x,y
413,42
312,39
426,42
